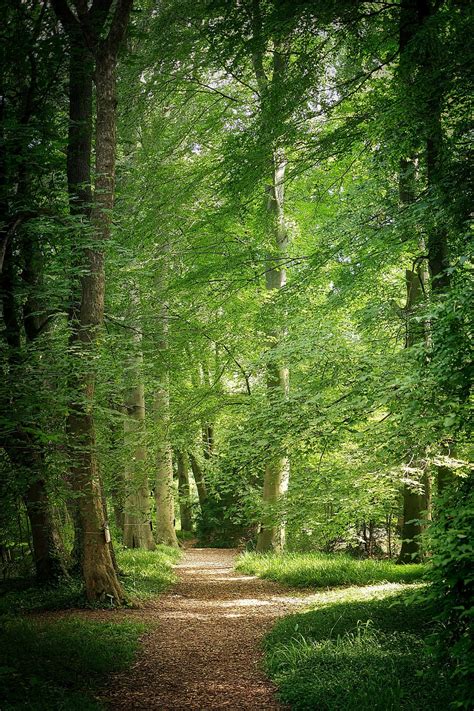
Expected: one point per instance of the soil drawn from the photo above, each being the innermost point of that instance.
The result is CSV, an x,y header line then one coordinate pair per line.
x,y
203,652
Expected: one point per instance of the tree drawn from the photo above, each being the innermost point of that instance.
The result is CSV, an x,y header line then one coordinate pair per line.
x,y
92,55
137,531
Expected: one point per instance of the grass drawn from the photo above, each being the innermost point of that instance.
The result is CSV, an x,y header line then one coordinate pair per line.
x,y
60,665
144,574
319,570
147,573
355,653
358,647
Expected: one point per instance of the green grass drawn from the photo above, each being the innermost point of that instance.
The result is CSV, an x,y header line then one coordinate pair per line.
x,y
145,574
319,570
60,665
359,649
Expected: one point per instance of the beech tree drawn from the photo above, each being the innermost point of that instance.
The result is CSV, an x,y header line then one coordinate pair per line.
x,y
93,57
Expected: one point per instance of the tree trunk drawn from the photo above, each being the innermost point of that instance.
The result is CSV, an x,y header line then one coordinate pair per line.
x,y
137,522
271,536
414,501
199,480
23,451
272,533
47,546
164,486
185,509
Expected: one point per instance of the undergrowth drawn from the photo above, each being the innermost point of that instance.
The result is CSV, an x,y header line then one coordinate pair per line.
x,y
355,653
60,664
144,574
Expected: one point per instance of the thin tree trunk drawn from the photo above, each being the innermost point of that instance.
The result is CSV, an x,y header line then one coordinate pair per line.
x,y
414,500
272,533
271,536
137,521
185,509
164,485
199,480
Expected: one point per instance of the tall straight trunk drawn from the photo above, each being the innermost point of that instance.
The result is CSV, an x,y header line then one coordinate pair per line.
x,y
413,14
272,532
81,70
90,50
418,70
415,498
137,521
99,573
164,486
271,536
185,509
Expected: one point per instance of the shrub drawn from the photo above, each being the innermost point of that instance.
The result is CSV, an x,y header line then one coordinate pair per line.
x,y
452,588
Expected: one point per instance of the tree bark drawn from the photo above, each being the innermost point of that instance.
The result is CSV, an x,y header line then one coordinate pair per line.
x,y
137,531
185,509
164,486
47,545
85,32
272,532
24,452
415,501
271,536
199,480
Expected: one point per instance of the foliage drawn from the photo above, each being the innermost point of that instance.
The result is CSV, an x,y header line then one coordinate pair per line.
x,y
452,585
365,650
60,664
318,570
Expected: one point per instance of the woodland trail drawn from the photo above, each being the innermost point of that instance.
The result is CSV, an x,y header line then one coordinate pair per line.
x,y
204,652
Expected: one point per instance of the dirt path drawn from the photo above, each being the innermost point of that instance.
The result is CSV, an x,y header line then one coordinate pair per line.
x,y
204,653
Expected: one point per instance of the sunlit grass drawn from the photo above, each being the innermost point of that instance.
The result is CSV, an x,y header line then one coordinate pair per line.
x,y
146,574
353,653
316,570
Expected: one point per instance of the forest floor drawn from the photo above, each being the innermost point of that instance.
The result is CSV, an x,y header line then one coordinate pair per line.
x,y
204,649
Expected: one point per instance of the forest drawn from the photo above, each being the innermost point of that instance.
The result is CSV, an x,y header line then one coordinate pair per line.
x,y
236,280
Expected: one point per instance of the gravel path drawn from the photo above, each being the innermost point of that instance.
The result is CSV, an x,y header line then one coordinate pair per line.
x,y
204,653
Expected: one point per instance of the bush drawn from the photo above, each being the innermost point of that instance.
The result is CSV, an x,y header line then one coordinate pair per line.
x,y
452,588
144,574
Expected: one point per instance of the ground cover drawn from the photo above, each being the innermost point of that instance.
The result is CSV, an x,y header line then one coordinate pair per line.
x,y
363,646
321,570
48,663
